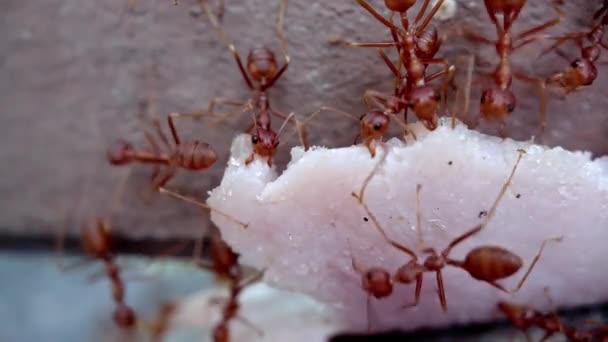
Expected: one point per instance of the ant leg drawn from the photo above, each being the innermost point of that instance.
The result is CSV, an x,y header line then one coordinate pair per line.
x,y
429,17
339,41
375,97
420,14
281,34
541,86
531,267
389,63
476,37
381,230
539,28
441,288
161,134
419,279
378,16
219,100
491,212
250,325
224,37
163,177
561,40
200,204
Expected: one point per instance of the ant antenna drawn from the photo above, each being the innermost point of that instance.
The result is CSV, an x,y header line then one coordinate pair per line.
x,y
191,200
369,177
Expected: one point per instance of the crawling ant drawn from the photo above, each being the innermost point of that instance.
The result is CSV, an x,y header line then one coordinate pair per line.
x,y
484,263
97,243
524,318
498,101
224,264
416,48
582,71
260,74
190,155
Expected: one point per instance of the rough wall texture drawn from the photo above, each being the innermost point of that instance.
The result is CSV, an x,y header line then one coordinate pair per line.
x,y
73,74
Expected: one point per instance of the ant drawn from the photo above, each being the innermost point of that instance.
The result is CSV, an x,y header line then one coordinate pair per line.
x,y
485,263
416,48
498,101
190,155
260,74
524,318
582,71
97,243
224,264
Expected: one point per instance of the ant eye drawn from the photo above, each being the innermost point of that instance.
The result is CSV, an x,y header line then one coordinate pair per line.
x,y
437,97
484,98
511,107
254,139
377,126
576,63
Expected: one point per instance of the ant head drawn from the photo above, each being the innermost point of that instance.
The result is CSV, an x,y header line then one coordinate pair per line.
x,y
124,316
427,43
264,142
400,6
96,239
377,282
583,71
373,125
261,63
424,101
497,103
120,153
407,273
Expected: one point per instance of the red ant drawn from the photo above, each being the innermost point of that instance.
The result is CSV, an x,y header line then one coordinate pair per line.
x,y
485,263
97,243
224,264
190,155
261,74
524,318
582,71
416,48
499,101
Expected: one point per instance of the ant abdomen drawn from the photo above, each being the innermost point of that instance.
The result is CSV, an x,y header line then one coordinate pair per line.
x,y
497,103
261,63
195,155
400,6
491,263
120,153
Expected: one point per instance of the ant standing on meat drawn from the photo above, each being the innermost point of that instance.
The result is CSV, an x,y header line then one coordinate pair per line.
x,y
485,263
498,101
